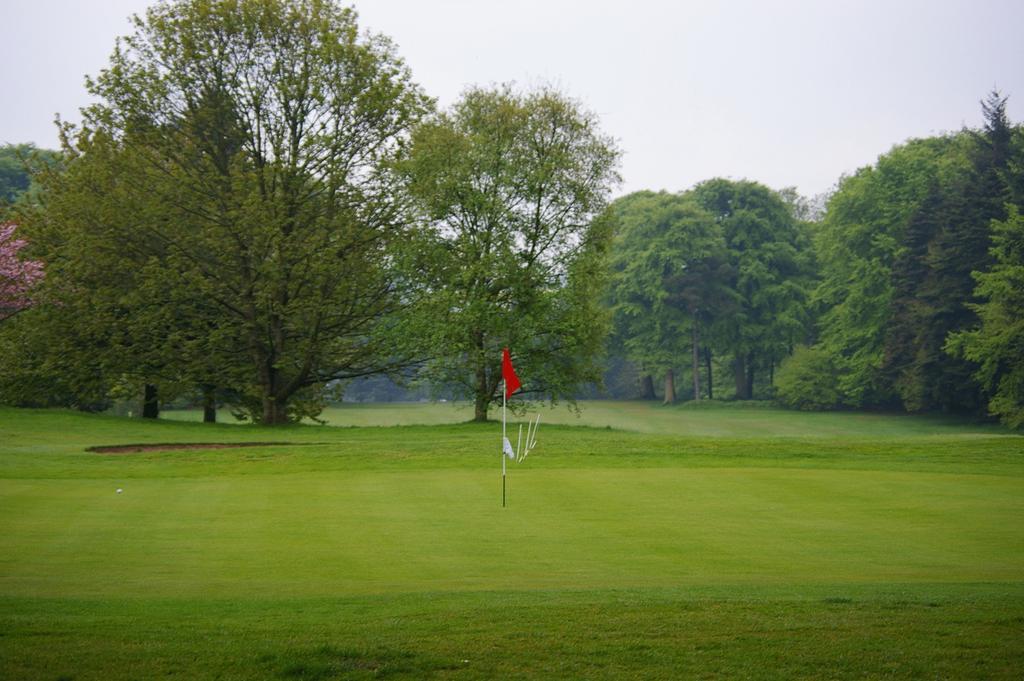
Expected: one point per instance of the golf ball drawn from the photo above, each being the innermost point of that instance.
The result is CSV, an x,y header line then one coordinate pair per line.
x,y
119,490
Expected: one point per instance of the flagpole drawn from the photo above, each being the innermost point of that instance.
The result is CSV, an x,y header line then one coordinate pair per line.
x,y
503,398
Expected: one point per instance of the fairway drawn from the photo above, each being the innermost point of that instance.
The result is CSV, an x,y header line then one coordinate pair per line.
x,y
692,420
896,550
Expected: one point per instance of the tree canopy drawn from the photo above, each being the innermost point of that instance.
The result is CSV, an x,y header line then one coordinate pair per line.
x,y
997,344
671,281
512,187
724,268
240,157
17,164
897,249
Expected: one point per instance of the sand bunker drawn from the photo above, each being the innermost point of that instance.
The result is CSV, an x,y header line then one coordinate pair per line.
x,y
135,449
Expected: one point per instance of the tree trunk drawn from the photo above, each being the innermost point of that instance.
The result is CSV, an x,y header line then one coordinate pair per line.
x,y
480,408
273,388
696,363
670,387
209,405
150,403
483,396
647,387
484,391
750,377
707,358
275,409
740,373
275,412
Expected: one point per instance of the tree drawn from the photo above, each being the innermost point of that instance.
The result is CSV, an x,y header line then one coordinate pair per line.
x,y
43,362
650,341
18,276
702,290
963,247
946,239
905,366
857,245
769,256
249,144
17,163
807,380
671,281
96,276
997,344
512,187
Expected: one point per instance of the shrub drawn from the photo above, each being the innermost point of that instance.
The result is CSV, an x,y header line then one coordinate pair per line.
x,y
807,380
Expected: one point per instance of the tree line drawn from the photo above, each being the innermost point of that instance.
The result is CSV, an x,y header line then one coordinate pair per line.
x,y
906,249
907,293
263,205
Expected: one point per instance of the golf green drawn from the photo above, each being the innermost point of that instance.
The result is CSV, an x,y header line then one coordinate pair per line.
x,y
353,552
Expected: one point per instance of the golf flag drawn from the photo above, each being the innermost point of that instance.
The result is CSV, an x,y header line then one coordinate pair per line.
x,y
512,383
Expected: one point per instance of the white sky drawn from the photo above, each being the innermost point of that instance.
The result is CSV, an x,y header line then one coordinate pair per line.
x,y
782,92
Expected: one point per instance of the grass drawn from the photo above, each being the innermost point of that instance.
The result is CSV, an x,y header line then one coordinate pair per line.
x,y
688,419
794,547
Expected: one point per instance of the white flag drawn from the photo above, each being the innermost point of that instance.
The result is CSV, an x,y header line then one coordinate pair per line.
x,y
506,447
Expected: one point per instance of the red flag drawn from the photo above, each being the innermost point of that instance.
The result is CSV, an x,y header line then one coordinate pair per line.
x,y
512,383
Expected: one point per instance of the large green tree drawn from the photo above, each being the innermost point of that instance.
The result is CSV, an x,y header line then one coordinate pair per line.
x,y
947,237
112,291
962,247
627,212
897,249
862,236
997,345
250,146
512,187
671,283
906,367
769,257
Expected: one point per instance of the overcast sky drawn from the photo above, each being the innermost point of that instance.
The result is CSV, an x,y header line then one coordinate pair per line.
x,y
786,93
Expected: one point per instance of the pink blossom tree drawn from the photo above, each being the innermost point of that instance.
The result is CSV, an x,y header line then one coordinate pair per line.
x,y
17,276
